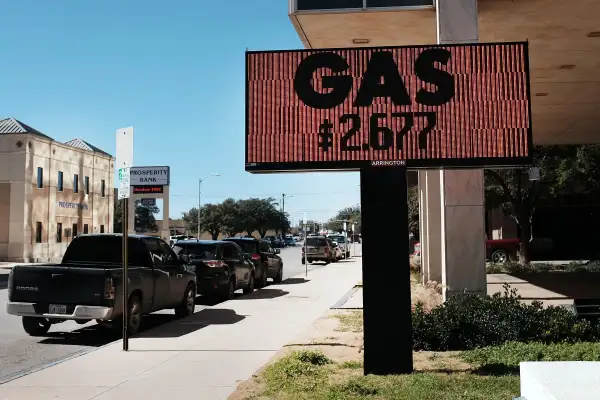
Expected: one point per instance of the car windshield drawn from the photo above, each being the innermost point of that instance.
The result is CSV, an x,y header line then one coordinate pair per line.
x,y
317,242
201,251
248,246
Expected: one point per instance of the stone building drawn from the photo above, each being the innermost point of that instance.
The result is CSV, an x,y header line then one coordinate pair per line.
x,y
50,192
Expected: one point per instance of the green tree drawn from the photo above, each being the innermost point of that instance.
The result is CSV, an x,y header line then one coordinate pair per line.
x,y
413,210
566,172
231,217
211,220
257,215
350,215
144,217
190,219
118,217
280,222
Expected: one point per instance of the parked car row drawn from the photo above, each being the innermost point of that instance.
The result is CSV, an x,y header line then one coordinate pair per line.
x,y
88,284
327,249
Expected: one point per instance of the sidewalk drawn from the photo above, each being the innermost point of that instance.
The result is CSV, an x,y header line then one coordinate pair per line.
x,y
206,355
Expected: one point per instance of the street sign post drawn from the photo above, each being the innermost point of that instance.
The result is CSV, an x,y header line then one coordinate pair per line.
x,y
124,162
380,111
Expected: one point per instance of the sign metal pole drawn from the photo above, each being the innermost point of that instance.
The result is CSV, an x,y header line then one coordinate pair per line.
x,y
125,274
124,162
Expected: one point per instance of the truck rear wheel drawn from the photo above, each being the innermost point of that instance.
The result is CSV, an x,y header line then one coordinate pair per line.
x,y
36,326
188,303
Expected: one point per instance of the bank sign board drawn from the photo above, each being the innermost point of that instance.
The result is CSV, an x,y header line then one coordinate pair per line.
x,y
149,176
465,105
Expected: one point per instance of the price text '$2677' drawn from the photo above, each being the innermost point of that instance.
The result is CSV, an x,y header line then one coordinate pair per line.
x,y
380,136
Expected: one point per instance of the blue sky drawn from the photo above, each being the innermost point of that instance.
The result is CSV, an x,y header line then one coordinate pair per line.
x,y
173,70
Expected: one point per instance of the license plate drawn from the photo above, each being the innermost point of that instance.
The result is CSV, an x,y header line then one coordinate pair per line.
x,y
57,309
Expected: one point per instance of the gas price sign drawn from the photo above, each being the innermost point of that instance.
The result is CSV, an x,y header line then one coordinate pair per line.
x,y
453,106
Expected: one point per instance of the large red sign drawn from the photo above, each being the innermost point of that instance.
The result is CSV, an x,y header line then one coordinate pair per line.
x,y
421,106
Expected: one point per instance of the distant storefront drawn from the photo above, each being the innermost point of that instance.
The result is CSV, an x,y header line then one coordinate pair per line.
x,y
50,192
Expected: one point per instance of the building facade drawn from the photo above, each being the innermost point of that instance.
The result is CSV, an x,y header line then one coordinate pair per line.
x,y
50,192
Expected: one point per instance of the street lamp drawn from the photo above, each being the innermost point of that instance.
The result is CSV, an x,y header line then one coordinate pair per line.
x,y
200,197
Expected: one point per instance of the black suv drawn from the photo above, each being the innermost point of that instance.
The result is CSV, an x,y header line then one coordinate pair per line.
x,y
266,259
221,267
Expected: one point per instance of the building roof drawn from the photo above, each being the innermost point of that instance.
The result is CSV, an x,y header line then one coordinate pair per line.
x,y
82,144
11,126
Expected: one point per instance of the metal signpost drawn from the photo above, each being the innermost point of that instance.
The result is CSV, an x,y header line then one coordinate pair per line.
x,y
354,238
304,252
380,111
124,163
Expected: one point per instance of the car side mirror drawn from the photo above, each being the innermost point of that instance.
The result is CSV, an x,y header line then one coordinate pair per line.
x,y
277,251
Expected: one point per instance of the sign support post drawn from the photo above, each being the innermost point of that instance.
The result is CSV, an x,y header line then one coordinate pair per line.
x,y
386,302
125,276
124,163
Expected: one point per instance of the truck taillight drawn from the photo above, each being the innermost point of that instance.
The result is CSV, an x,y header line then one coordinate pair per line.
x,y
214,264
109,289
11,279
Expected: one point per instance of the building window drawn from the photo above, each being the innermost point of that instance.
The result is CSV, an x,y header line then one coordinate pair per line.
x,y
59,232
38,232
86,184
101,228
75,184
60,181
304,5
398,3
103,188
85,229
40,178
74,230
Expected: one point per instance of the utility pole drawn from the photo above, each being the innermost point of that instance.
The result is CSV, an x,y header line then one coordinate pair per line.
x,y
283,203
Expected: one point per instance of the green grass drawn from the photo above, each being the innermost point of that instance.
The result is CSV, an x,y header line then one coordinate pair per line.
x,y
309,375
506,358
350,322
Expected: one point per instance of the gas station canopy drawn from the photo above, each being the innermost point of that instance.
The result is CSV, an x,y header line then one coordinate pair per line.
x,y
564,44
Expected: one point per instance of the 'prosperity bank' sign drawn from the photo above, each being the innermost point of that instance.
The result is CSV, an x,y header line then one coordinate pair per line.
x,y
464,105
149,176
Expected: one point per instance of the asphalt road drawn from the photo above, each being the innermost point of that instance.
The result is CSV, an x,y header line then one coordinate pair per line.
x,y
20,352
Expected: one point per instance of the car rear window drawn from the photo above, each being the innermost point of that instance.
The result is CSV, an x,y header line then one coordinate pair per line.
x,y
248,246
312,241
339,239
101,250
201,251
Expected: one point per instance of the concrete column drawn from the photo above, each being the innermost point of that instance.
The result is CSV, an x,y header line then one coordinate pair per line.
x,y
131,212
434,226
423,225
461,191
165,232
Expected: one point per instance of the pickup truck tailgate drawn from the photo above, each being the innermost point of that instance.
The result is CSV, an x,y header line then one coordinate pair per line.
x,y
58,284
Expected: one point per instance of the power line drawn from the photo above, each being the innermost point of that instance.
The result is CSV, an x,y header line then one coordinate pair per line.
x,y
273,195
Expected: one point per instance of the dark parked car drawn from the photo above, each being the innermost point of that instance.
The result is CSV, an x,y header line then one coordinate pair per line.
x,y
276,242
290,241
221,267
87,285
265,258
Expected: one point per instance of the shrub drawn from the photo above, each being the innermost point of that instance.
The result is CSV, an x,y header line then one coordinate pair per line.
x,y
467,321
513,267
512,353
